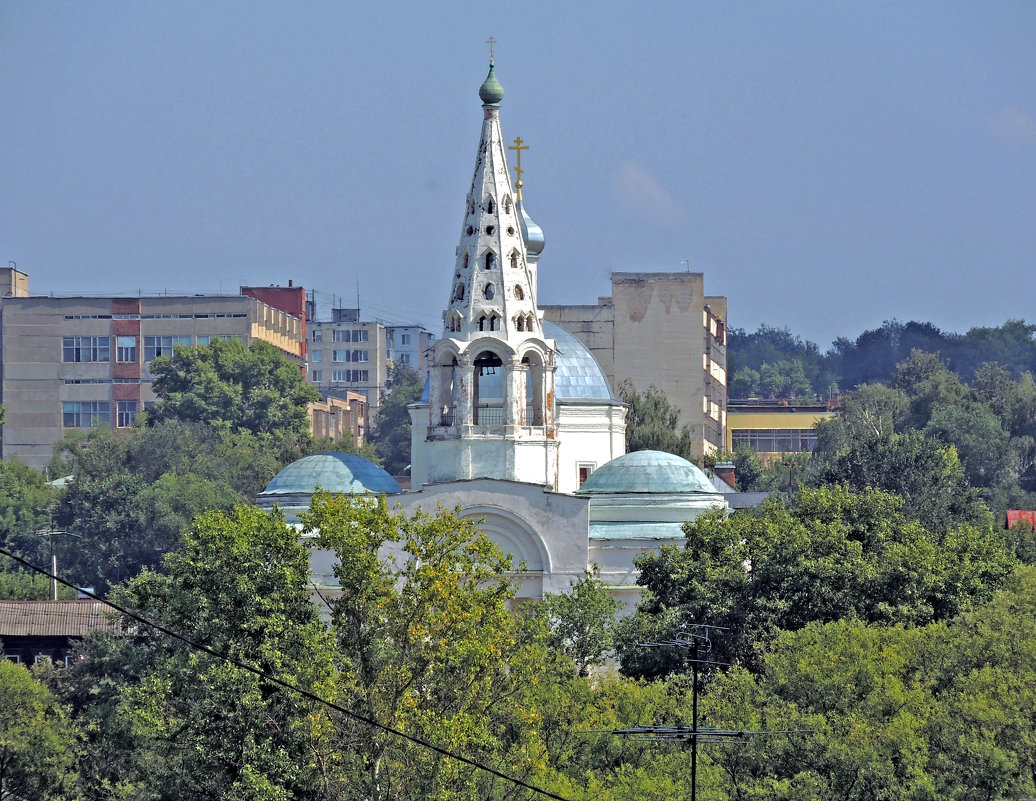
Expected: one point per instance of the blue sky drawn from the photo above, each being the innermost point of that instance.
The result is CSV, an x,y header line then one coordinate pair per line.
x,y
827,165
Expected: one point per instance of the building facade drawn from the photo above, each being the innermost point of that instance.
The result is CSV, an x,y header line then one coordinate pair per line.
x,y
661,329
774,427
348,354
76,362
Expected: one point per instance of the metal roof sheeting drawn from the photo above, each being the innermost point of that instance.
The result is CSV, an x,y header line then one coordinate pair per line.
x,y
54,618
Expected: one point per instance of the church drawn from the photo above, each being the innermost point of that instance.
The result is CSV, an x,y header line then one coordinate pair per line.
x,y
518,426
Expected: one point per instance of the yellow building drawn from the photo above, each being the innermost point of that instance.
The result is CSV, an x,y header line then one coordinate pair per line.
x,y
773,427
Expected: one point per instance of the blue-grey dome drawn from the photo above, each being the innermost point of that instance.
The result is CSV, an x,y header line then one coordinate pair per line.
x,y
648,471
334,472
579,376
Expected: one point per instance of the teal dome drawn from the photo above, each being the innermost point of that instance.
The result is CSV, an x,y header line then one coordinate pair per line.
x,y
491,91
334,472
648,471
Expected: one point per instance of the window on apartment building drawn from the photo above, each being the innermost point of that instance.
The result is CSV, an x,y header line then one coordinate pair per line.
x,y
125,413
350,375
341,356
770,440
318,335
351,335
316,375
204,340
162,346
86,349
316,356
85,414
404,358
404,339
126,349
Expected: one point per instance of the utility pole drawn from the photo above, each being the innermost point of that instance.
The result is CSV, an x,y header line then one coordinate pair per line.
x,y
695,642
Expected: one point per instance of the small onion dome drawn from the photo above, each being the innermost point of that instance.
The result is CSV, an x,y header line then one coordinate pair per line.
x,y
650,472
531,232
491,91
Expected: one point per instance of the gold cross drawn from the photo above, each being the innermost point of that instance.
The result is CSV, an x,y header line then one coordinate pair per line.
x,y
518,147
490,41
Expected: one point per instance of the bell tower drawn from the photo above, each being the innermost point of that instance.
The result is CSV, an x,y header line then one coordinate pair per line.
x,y
491,405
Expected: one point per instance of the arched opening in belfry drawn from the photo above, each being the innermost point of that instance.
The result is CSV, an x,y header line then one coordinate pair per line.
x,y
490,206
464,260
535,397
514,259
487,403
490,260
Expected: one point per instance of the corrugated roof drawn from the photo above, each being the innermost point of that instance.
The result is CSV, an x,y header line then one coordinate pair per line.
x,y
53,618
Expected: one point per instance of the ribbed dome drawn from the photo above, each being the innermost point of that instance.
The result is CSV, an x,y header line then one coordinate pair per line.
x,y
648,471
579,376
334,472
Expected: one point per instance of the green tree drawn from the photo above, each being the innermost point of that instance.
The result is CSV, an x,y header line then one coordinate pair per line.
x,y
254,389
426,643
581,621
37,740
829,554
171,722
652,423
926,474
25,499
745,383
392,429
928,383
785,379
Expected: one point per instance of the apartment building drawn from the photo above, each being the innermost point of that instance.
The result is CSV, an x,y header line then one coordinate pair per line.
x,y
76,362
347,354
661,329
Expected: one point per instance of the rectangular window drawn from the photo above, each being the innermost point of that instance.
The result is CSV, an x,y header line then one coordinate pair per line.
x,y
404,358
126,349
318,335
317,375
162,346
125,413
13,658
341,355
404,339
204,340
350,376
779,440
86,349
85,414
316,356
351,335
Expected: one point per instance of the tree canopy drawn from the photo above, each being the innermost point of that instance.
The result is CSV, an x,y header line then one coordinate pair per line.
x,y
653,423
252,389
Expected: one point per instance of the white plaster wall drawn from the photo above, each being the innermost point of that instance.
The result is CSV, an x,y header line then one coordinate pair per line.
x,y
588,434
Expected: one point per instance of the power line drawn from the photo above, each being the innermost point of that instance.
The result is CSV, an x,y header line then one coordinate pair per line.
x,y
288,685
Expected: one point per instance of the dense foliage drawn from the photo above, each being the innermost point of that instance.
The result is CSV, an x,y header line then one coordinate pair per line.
x,y
653,423
391,430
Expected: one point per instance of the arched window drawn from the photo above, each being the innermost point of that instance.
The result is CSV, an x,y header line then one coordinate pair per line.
x,y
489,291
464,260
507,205
520,323
514,258
528,323
471,205
494,323
482,323
518,293
490,206
490,260
459,292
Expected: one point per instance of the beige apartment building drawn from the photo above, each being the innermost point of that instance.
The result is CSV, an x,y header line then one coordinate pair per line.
x,y
661,329
77,362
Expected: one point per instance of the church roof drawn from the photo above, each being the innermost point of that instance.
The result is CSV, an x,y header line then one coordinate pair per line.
x,y
648,471
334,472
579,376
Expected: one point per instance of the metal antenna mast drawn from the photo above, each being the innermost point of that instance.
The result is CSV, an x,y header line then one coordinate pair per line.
x,y
695,642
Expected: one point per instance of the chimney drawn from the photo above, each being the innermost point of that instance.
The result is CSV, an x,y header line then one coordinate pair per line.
x,y
725,471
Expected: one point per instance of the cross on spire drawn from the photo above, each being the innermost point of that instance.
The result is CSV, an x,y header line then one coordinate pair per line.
x,y
490,41
518,147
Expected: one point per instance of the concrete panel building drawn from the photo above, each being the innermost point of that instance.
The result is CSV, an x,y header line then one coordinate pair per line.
x,y
661,329
77,362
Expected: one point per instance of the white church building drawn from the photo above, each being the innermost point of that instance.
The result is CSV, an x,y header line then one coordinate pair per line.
x,y
518,426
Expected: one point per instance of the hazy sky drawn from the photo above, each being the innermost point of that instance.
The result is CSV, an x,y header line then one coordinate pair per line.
x,y
827,165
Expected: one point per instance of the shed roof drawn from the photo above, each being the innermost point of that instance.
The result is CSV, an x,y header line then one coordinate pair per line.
x,y
54,618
